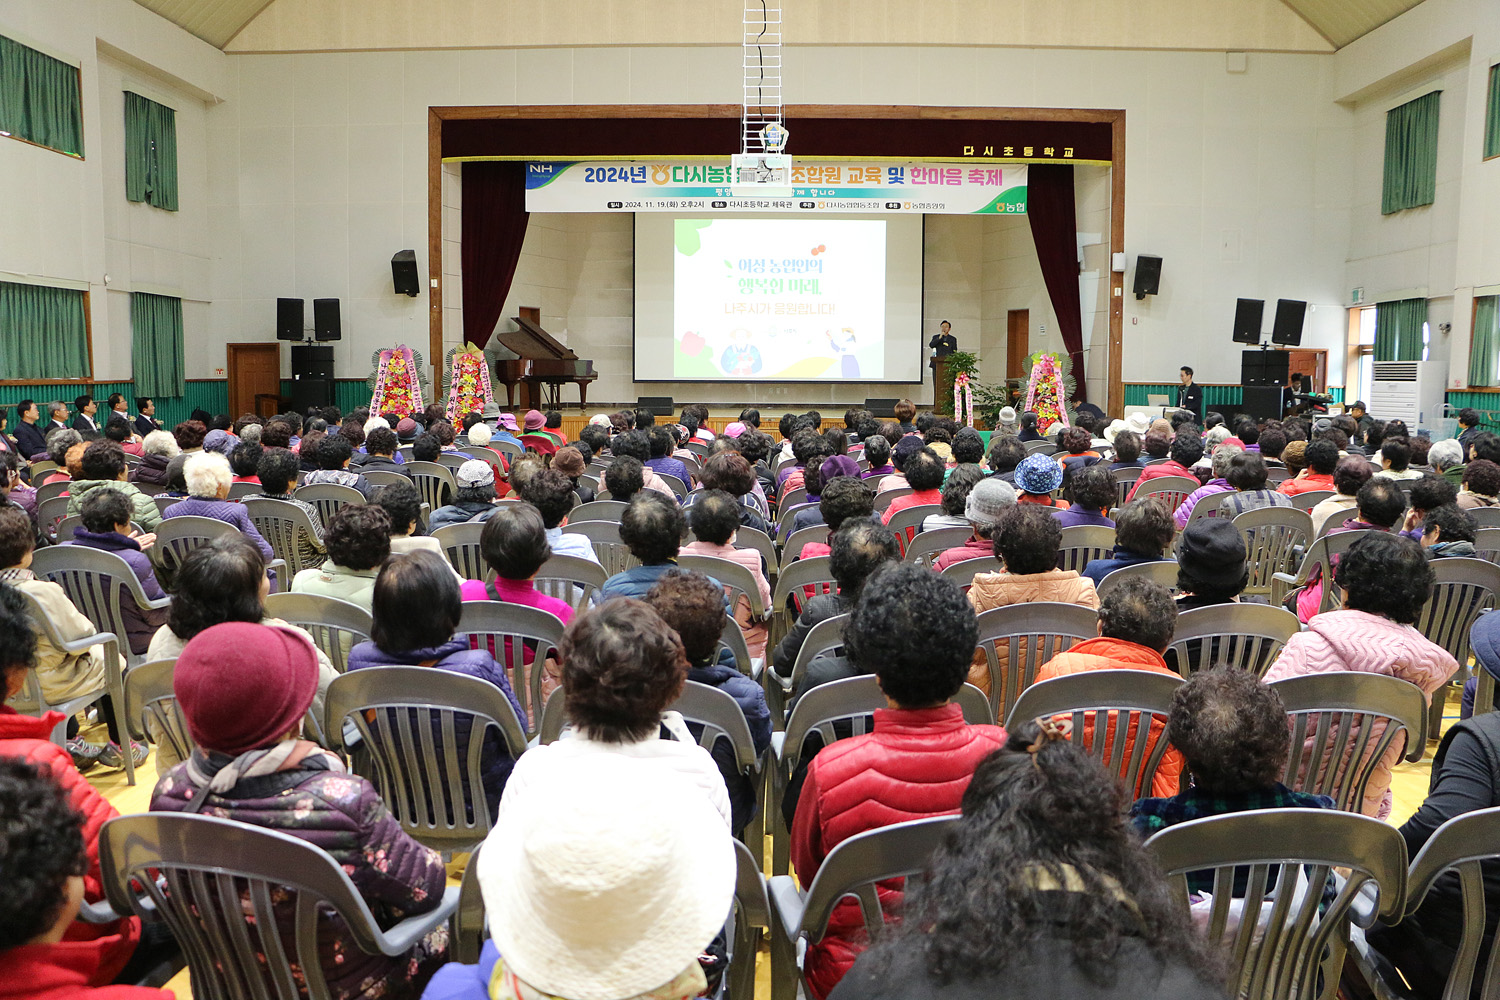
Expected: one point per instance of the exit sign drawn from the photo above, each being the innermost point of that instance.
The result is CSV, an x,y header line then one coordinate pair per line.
x,y
1357,296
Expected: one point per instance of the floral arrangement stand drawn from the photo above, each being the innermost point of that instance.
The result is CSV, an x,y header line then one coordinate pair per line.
x,y
397,383
1048,388
963,399
467,377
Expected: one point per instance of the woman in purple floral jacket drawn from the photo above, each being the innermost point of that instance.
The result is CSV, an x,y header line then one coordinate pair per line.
x,y
244,689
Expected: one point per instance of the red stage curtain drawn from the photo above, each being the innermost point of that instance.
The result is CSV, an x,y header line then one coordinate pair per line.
x,y
494,227
1054,230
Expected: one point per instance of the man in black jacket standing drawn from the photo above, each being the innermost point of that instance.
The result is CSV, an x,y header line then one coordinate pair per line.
x,y
1190,396
941,345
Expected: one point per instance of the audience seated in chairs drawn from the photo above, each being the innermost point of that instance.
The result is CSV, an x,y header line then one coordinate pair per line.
x,y
61,441
106,526
571,463
843,501
915,632
637,445
693,606
1217,481
1349,476
1322,457
1143,530
1092,489
550,491
208,481
1127,447
1481,485
1041,891
244,689
379,454
625,477
1006,452
651,527
987,501
403,505
1395,460
1211,567
103,465
222,581
1247,476
715,520
1078,454
474,500
1427,493
1448,532
1185,450
277,473
878,454
334,456
732,473
358,540
821,473
924,474
1026,539
1385,580
1136,623
1379,506
1035,479
1447,460
901,452
962,479
401,638
514,545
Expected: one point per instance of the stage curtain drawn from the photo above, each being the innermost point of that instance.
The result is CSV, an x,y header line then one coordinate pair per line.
x,y
40,99
1492,116
156,345
494,227
1398,330
150,152
1411,133
1484,346
1054,230
43,332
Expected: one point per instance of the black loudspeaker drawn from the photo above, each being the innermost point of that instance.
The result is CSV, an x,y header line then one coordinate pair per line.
x,y
1289,316
326,319
1264,367
882,407
1247,318
312,361
1147,275
289,319
1262,402
404,273
660,406
308,392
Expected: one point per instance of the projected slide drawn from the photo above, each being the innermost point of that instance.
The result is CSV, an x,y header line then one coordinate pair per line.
x,y
779,299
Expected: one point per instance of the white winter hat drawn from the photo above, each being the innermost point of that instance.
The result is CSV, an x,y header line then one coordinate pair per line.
x,y
1138,422
609,884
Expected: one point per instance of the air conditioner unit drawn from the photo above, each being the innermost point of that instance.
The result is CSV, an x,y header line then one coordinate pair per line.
x,y
1410,391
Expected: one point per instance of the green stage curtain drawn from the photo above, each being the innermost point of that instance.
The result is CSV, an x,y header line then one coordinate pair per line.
x,y
156,344
1411,132
43,332
150,152
1492,116
1398,330
40,100
1484,345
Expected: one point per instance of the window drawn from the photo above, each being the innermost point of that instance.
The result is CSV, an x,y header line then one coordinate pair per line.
x,y
156,345
1363,350
150,152
1411,132
1484,345
44,333
1492,116
40,99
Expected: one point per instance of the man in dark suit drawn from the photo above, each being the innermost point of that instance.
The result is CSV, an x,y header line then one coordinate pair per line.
x,y
57,413
941,345
30,441
1190,396
84,423
146,421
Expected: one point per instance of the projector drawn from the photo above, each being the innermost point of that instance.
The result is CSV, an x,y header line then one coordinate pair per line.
x,y
761,175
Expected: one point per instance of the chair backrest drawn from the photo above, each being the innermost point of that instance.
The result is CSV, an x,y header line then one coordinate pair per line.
x,y
1276,475
964,571
678,487
1267,871
1125,482
423,731
1082,544
1242,636
1204,508
335,625
281,524
928,545
434,481
51,491
509,449
571,579
792,497
1162,571
1463,588
731,638
614,555
405,451
177,536
1169,490
739,580
1017,639
460,544
65,527
383,477
1487,544
907,522
30,700
49,513
753,538
1343,724
42,469
1272,536
1310,499
163,504
1319,560
1460,846
96,582
512,634
328,497
150,698
825,637
885,498
1046,446
1486,517
1133,741
450,461
791,548
816,573
239,491
597,510
787,516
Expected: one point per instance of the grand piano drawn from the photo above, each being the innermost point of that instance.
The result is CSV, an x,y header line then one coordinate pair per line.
x,y
540,369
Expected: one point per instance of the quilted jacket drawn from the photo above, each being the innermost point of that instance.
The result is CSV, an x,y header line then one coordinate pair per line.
x,y
97,952
343,815
1160,471
915,764
143,509
140,623
1360,641
998,590
152,471
1104,653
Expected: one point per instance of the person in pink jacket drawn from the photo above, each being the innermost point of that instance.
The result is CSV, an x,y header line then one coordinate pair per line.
x,y
1385,580
715,520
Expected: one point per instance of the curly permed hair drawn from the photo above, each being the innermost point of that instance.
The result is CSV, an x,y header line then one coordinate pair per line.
x,y
913,630
43,849
622,666
1232,730
1385,574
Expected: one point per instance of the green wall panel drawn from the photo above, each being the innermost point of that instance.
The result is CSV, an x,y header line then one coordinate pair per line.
x,y
1487,403
212,396
1214,396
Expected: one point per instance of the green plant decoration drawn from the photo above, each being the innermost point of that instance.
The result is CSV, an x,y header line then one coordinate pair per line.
x,y
957,362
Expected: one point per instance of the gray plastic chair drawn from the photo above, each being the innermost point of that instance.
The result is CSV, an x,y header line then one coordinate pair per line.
x,y
792,498
284,525
64,528
885,498
335,626
752,916
163,504
177,536
1320,555
1137,702
928,545
910,520
49,513
435,482
678,487
1017,639
239,491
328,497
597,510
571,579
824,637
1486,517
51,491
149,697
733,639
1281,933
1242,636
791,548
1045,446
753,538
791,586
222,888
460,544
1487,544
964,571
410,721
1169,490
1082,544
739,580
1162,571
1463,589
1342,725
1272,535
506,631
853,868
787,516
1310,499
451,461
1205,507
1125,482
379,478
614,555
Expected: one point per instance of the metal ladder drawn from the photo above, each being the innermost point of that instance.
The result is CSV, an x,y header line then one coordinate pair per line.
x,y
762,72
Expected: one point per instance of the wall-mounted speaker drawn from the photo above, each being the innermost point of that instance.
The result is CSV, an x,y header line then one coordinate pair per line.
x,y
881,407
1247,316
404,273
1147,275
326,324
289,319
1289,316
660,406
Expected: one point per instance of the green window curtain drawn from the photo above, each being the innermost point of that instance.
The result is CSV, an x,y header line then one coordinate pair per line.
x,y
40,99
1484,345
1398,330
1411,132
44,332
156,344
150,152
1492,116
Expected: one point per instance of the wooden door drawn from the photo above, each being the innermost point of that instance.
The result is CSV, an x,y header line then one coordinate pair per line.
x,y
253,368
1017,342
1313,364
